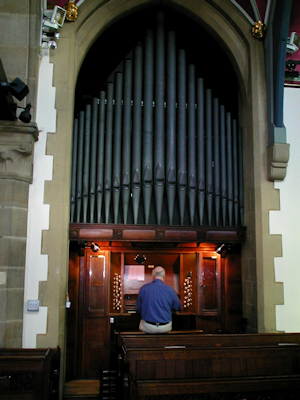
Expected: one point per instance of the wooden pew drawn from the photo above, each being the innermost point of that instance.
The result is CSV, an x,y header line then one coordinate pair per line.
x,y
29,374
214,364
131,340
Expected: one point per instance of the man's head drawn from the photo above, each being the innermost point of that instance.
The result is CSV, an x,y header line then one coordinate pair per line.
x,y
158,273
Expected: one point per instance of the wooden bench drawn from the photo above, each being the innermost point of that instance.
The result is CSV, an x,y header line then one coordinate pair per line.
x,y
131,340
29,374
215,364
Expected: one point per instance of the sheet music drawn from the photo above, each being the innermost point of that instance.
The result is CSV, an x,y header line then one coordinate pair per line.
x,y
135,272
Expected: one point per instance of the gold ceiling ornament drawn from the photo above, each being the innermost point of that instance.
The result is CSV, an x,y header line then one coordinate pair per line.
x,y
259,30
72,10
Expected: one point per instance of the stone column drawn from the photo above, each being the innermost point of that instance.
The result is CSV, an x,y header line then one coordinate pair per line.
x,y
16,172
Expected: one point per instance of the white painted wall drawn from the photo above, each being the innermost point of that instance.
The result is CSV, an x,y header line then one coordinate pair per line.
x,y
287,221
36,267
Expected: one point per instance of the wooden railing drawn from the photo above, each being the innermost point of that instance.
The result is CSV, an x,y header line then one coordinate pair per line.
x,y
31,374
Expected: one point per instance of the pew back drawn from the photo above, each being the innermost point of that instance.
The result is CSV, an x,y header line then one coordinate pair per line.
x,y
29,374
165,365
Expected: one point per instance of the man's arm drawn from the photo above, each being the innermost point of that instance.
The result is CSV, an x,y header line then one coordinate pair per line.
x,y
138,304
176,302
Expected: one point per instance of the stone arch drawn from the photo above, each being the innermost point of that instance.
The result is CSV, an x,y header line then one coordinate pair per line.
x,y
225,23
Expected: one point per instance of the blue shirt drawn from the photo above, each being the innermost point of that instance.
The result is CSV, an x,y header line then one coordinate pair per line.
x,y
156,301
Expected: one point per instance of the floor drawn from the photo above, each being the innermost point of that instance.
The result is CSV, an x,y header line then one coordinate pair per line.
x,y
82,389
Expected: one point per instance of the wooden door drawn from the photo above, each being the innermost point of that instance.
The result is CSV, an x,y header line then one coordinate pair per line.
x,y
209,283
96,327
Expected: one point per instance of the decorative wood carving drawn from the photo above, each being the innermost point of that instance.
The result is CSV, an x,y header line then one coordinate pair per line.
x,y
16,150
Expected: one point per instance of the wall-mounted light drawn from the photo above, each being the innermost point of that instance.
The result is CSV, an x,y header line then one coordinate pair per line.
x,y
219,249
94,247
17,88
52,21
223,249
139,259
25,115
293,43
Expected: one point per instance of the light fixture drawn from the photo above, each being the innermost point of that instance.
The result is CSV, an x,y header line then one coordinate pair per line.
x,y
25,115
220,249
52,44
290,66
17,88
52,34
139,259
58,16
52,21
94,247
293,43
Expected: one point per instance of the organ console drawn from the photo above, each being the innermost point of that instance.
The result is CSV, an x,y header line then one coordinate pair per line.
x,y
104,285
195,277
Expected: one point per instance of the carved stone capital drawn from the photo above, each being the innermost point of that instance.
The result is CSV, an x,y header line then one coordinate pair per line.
x,y
278,155
16,150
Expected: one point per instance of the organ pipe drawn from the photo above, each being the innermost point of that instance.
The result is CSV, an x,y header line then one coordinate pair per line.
x,y
86,161
80,166
171,124
157,136
223,165
209,160
147,164
192,180
92,191
100,155
235,173
108,150
201,149
126,148
241,174
137,131
229,168
74,168
117,145
159,117
217,189
181,134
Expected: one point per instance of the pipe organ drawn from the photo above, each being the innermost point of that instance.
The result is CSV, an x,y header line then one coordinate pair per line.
x,y
157,147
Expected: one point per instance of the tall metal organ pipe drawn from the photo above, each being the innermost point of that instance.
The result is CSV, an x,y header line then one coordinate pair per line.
x,y
100,155
147,163
217,189
93,162
209,160
192,174
159,117
137,131
241,174
201,149
235,172
74,168
229,168
86,162
108,150
171,124
181,134
223,165
126,148
117,145
157,136
80,166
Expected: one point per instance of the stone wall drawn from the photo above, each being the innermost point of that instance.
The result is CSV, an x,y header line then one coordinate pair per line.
x,y
16,168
